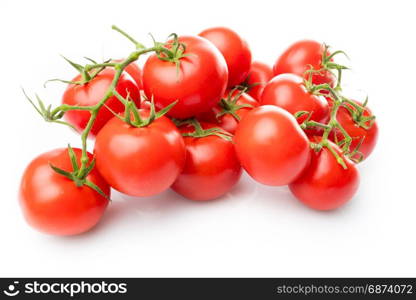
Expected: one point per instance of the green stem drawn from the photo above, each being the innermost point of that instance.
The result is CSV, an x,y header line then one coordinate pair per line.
x,y
95,66
138,45
119,67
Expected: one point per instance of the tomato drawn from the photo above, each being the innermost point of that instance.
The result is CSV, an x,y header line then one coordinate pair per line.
x,y
235,50
53,203
140,161
271,146
91,93
288,92
299,57
228,112
259,76
368,136
325,184
211,169
198,84
134,71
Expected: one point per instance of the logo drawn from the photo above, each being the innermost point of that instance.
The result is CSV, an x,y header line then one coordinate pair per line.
x,y
12,291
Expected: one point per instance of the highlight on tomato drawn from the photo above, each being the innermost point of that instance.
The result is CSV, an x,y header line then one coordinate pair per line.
x,y
91,92
56,204
326,184
289,92
235,50
271,146
300,57
212,167
230,110
189,70
140,153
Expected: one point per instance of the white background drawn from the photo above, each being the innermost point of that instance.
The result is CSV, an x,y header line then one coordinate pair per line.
x,y
254,230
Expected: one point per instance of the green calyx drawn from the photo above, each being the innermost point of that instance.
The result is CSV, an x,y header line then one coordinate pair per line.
x,y
78,175
246,86
199,132
131,112
172,51
229,105
88,72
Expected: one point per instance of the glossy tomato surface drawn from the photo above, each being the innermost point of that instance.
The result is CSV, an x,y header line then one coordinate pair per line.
x,y
235,50
366,136
141,161
199,84
212,168
91,93
271,146
325,184
299,57
288,92
53,204
228,121
259,76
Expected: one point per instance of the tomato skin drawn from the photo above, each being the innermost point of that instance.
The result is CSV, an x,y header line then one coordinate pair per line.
x,y
53,204
201,81
260,74
140,161
298,57
235,50
356,132
211,169
227,121
288,92
271,146
91,93
325,184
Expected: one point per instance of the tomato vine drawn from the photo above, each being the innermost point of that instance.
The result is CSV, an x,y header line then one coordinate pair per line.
x,y
88,72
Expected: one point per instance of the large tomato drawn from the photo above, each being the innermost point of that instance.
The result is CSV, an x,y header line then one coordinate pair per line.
x,y
92,92
211,169
53,203
235,50
325,184
271,146
230,110
198,84
259,76
366,136
140,161
288,92
299,57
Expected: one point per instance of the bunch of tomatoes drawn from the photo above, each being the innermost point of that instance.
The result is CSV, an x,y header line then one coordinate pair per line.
x,y
196,115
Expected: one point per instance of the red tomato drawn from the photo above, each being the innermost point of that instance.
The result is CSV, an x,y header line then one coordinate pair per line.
x,y
140,161
288,92
260,74
235,50
134,71
211,169
325,184
299,57
368,136
53,203
271,146
91,93
228,121
199,85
